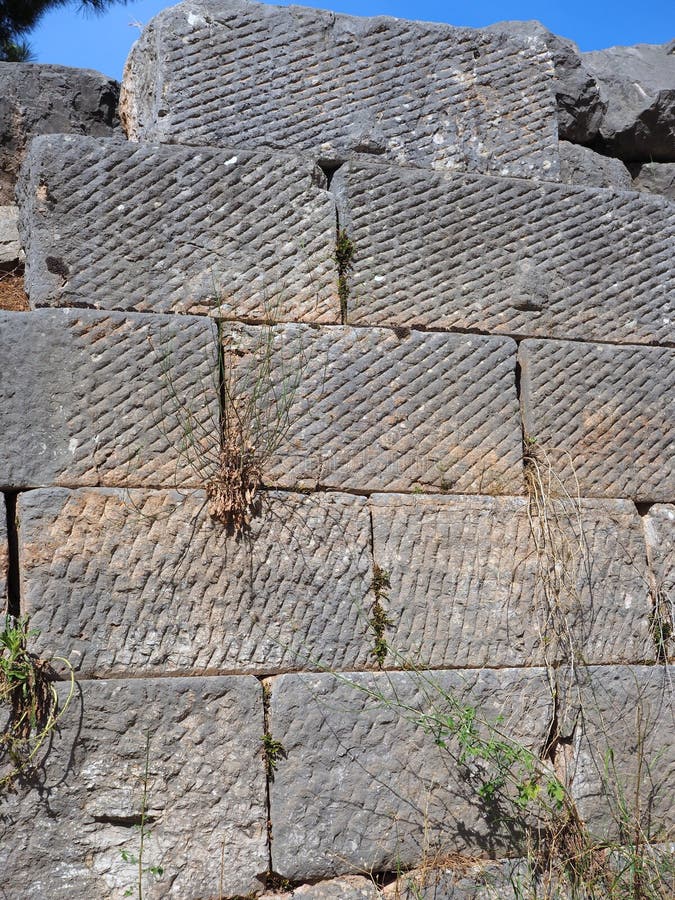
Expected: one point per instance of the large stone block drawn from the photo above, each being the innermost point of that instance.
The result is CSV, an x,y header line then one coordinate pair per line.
x,y
660,534
227,72
74,831
601,416
375,409
364,787
487,581
656,178
170,229
624,760
507,256
46,100
90,398
146,582
581,165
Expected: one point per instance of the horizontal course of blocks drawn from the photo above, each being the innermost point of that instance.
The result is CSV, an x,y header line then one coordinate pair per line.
x,y
205,789
603,416
131,582
145,228
507,255
92,398
236,73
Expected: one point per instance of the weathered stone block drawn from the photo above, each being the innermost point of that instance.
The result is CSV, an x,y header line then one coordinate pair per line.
x,y
350,887
171,229
89,398
507,256
10,245
471,581
374,409
147,582
656,178
581,165
660,534
600,415
46,100
66,835
4,556
363,787
624,751
226,72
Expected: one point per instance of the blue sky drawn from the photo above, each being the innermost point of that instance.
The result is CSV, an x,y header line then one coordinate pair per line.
x,y
102,42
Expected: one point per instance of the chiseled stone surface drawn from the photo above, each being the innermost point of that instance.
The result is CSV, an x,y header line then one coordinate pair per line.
x,y
4,555
145,582
601,414
90,398
581,165
624,750
171,229
205,792
468,586
375,409
224,72
660,534
363,788
44,99
508,256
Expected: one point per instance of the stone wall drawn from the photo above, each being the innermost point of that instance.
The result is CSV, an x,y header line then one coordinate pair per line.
x,y
336,451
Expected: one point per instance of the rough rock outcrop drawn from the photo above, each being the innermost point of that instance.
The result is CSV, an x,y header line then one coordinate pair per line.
x,y
637,85
656,178
10,243
44,99
581,165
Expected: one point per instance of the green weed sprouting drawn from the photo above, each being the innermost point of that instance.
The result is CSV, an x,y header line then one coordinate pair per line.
x,y
136,859
272,751
28,692
344,260
379,620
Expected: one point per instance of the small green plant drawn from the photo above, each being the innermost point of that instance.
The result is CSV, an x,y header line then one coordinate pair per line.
x,y
137,859
28,692
379,620
272,751
344,260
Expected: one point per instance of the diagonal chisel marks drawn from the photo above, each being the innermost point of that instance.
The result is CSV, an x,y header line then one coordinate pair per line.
x,y
146,582
365,788
62,835
121,226
92,398
660,535
246,74
370,410
508,256
466,588
603,415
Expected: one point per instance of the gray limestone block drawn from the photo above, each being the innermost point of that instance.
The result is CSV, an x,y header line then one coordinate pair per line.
x,y
166,229
623,750
510,879
375,409
4,556
656,178
581,165
228,72
470,581
349,887
90,398
73,830
363,785
580,108
145,582
507,255
637,85
602,416
10,244
45,99
660,534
